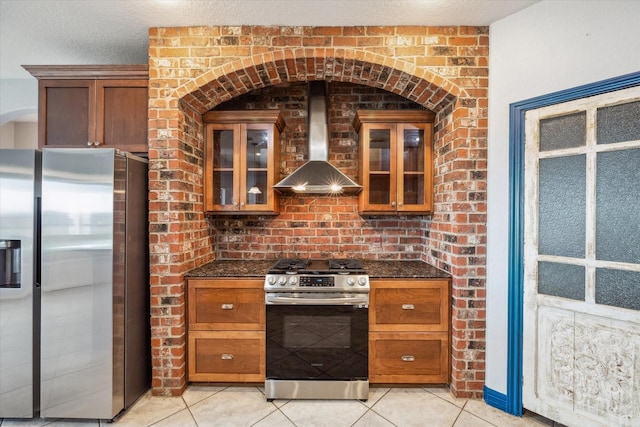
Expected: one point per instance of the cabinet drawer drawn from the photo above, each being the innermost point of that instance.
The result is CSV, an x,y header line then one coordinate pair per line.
x,y
226,356
408,357
226,309
409,309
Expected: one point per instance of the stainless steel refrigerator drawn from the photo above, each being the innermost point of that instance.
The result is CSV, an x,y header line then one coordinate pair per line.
x,y
74,299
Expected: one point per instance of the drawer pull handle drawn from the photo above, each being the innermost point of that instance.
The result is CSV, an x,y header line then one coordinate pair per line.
x,y
408,358
227,356
227,306
408,307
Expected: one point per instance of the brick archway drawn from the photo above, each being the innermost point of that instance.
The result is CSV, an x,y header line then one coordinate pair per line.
x,y
182,88
289,65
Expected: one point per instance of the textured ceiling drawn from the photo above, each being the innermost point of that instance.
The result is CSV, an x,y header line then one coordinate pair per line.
x,y
44,32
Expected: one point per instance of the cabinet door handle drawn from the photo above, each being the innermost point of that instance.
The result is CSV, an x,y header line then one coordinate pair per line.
x,y
393,203
408,358
227,356
97,143
89,144
408,307
227,306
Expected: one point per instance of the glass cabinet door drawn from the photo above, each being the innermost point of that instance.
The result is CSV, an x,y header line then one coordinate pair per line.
x,y
223,164
413,166
241,157
395,161
380,149
257,161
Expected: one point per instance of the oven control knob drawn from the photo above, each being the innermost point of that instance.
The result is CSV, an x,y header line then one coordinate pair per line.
x,y
282,281
271,280
351,281
293,280
362,281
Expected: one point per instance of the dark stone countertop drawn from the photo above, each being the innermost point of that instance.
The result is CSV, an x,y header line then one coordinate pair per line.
x,y
375,269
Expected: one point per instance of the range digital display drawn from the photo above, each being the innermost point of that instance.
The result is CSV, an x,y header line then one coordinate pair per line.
x,y
325,281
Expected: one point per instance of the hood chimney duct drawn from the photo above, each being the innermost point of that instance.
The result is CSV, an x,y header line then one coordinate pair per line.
x,y
318,176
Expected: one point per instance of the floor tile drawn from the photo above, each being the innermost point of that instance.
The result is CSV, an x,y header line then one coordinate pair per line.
x,y
444,393
467,419
182,419
371,419
416,407
274,419
375,394
324,413
150,409
498,418
194,394
235,406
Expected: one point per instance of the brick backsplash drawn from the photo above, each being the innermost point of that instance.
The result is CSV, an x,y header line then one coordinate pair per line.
x,y
318,226
195,69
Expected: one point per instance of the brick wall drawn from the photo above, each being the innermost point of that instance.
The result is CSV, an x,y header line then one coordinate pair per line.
x,y
196,69
318,226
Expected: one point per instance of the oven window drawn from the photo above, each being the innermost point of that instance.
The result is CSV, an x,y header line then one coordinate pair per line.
x,y
317,342
316,332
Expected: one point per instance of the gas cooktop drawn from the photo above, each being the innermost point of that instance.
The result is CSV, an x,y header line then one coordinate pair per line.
x,y
319,266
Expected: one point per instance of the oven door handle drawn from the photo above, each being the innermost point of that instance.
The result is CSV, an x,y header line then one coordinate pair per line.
x,y
290,298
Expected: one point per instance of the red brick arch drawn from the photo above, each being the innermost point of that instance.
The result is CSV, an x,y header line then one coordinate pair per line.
x,y
290,65
448,78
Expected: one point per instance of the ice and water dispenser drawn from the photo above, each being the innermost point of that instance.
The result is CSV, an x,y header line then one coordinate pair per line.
x,y
10,260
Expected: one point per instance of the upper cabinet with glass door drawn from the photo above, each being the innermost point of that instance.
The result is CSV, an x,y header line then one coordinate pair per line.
x,y
395,161
241,158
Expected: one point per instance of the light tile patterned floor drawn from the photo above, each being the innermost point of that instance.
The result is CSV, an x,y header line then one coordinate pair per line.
x,y
202,406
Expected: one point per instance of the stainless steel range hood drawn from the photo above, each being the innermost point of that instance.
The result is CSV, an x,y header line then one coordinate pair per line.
x,y
318,176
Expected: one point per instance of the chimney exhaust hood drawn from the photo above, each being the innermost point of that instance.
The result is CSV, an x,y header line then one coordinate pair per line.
x,y
318,176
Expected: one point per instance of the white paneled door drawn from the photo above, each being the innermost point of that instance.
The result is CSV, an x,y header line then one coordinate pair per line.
x,y
581,363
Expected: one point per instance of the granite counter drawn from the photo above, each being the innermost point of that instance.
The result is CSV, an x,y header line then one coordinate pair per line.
x,y
375,269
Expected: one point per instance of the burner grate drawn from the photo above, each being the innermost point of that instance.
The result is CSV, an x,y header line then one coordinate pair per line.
x,y
345,264
293,264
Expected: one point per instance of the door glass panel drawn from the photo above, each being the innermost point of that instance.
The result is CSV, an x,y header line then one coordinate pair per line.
x,y
618,288
256,187
619,123
223,149
413,189
257,142
379,189
562,206
561,280
563,132
379,150
618,206
257,156
223,187
413,141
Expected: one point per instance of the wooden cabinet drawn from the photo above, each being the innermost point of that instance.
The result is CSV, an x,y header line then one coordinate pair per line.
x,y
241,161
409,335
226,330
93,106
395,161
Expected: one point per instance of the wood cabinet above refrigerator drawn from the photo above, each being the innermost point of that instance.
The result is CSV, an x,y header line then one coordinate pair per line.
x,y
93,106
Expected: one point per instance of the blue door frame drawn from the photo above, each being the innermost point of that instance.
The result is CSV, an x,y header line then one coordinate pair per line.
x,y
512,402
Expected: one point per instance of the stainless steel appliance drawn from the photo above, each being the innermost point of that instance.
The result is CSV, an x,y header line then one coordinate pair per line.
x,y
317,330
75,332
19,294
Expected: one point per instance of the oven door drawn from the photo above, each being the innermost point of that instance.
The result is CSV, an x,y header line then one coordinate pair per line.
x,y
317,336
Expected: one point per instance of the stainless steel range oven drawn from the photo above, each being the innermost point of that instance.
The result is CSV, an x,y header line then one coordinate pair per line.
x,y
317,330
